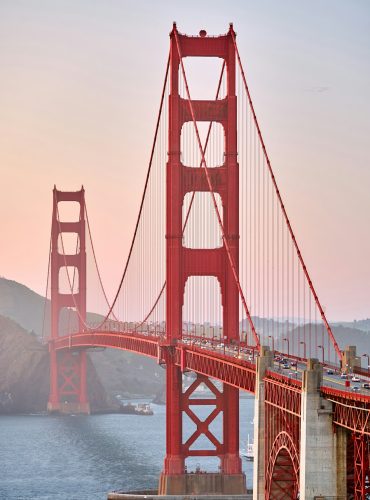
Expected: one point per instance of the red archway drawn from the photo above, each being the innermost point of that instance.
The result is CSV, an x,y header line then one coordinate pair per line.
x,y
282,477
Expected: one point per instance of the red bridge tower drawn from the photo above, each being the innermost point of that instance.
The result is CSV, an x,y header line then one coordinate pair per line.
x,y
68,389
183,263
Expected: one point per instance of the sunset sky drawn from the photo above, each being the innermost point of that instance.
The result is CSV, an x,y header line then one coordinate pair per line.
x,y
80,83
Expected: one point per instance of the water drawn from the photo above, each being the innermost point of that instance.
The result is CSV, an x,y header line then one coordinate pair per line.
x,y
70,458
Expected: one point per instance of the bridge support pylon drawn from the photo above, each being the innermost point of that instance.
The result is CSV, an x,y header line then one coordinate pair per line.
x,y
184,262
68,386
350,360
322,452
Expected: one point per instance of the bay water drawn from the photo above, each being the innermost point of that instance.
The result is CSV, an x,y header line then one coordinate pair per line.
x,y
84,457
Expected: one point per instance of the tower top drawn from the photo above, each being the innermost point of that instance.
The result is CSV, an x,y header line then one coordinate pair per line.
x,y
202,33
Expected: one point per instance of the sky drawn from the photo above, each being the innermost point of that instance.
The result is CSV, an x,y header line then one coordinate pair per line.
x,y
80,83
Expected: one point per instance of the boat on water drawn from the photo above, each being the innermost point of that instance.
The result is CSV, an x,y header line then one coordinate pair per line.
x,y
144,409
139,409
248,454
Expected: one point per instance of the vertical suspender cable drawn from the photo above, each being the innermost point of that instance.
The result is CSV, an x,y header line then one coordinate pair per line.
x,y
300,257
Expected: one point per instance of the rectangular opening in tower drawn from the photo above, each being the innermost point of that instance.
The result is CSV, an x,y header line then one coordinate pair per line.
x,y
68,282
202,309
199,219
203,75
69,211
68,243
212,137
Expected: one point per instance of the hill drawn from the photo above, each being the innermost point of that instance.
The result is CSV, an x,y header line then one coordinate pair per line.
x,y
24,381
362,324
343,335
23,306
352,336
119,371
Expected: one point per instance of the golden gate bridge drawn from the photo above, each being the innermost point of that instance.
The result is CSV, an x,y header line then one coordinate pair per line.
x,y
215,283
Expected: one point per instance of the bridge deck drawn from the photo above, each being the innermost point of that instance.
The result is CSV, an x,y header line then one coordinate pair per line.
x,y
231,364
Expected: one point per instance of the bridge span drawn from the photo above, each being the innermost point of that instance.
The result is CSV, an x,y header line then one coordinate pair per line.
x,y
215,284
318,453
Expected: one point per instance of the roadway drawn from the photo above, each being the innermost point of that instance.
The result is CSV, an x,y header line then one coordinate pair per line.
x,y
239,351
332,380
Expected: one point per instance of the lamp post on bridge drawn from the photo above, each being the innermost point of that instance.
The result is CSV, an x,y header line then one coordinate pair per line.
x,y
304,348
287,341
323,352
273,342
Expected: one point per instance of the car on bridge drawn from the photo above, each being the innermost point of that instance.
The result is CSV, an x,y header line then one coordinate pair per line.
x,y
366,385
356,379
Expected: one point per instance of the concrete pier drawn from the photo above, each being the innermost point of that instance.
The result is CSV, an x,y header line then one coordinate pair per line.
x,y
208,483
341,436
321,453
350,359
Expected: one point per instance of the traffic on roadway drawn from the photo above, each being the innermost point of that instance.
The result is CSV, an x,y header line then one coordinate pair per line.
x,y
285,365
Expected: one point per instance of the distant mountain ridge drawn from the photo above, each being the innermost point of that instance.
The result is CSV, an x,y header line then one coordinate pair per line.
x,y
362,324
127,373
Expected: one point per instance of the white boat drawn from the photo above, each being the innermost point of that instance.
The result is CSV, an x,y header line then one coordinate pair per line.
x,y
143,409
248,454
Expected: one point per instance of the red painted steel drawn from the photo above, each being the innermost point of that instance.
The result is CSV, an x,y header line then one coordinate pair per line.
x,y
140,344
183,263
282,475
282,435
202,427
233,372
351,411
361,477
68,369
